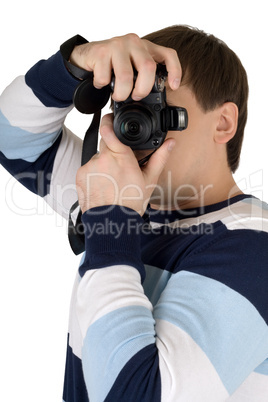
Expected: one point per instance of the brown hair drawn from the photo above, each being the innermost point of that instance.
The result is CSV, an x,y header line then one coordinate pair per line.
x,y
213,72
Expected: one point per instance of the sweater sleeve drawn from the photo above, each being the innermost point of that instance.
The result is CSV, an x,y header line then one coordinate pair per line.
x,y
35,146
199,342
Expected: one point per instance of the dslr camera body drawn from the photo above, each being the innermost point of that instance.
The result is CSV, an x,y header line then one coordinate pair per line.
x,y
141,125
144,124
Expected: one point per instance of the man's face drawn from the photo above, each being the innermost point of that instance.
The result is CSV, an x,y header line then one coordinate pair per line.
x,y
188,169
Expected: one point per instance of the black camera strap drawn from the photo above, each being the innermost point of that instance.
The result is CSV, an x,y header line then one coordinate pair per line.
x,y
90,144
66,50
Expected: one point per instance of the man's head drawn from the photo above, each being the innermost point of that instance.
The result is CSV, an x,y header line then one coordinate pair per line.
x,y
214,74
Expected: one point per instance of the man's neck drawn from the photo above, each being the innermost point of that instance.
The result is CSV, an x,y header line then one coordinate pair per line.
x,y
207,194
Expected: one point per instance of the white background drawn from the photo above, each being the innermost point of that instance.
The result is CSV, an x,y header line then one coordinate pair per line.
x,y
37,265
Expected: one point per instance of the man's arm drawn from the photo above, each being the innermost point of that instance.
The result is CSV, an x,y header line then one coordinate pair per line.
x,y
35,147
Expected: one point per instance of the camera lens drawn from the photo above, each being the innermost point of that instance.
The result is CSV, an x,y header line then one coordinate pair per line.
x,y
133,126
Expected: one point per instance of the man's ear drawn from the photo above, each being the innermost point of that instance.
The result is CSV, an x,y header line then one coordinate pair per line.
x,y
227,123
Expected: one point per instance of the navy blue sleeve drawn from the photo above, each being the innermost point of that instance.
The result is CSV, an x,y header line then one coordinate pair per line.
x,y
50,81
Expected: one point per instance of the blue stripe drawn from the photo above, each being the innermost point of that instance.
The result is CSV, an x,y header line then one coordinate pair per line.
x,y
123,333
205,309
16,143
35,176
262,368
238,259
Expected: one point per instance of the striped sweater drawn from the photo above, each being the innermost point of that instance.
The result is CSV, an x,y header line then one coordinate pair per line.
x,y
169,307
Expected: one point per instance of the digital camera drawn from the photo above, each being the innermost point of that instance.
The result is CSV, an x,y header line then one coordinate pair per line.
x,y
144,124
141,125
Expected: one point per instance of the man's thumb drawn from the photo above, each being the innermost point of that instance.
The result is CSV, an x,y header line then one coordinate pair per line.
x,y
158,161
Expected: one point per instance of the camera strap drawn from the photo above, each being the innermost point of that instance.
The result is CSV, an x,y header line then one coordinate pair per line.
x,y
90,144
87,100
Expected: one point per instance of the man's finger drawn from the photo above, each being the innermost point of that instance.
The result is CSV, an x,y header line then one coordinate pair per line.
x,y
124,76
169,57
158,161
108,137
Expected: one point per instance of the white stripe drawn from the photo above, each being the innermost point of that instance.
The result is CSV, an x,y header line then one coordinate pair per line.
x,y
186,372
246,214
104,290
62,194
23,109
75,336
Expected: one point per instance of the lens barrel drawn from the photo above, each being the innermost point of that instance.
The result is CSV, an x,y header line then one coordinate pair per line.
x,y
133,126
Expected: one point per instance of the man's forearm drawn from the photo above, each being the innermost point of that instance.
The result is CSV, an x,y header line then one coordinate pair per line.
x,y
33,145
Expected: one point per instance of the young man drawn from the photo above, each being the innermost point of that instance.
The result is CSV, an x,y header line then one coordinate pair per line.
x,y
170,301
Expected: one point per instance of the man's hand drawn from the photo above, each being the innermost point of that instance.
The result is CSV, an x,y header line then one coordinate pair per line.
x,y
114,177
121,54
